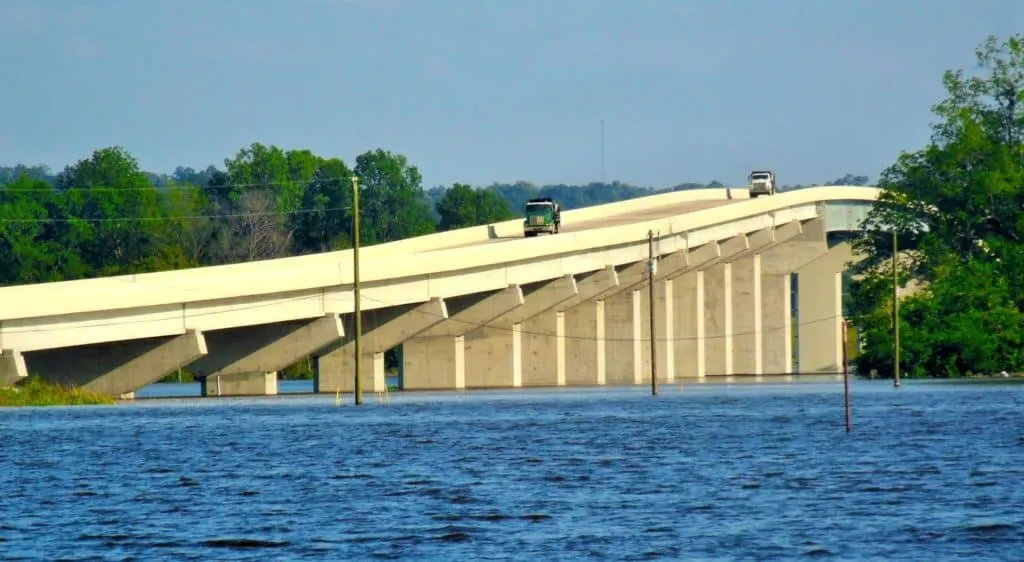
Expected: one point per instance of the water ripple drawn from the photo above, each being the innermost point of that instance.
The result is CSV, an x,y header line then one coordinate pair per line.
x,y
718,472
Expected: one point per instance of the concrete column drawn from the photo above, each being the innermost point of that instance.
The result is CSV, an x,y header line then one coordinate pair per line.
x,y
12,367
246,384
776,324
820,311
665,328
495,351
690,345
544,350
444,359
585,329
259,350
497,361
624,338
383,329
746,316
584,345
718,319
436,358
117,368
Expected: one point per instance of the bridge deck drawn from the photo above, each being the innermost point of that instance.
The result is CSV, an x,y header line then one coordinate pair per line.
x,y
614,220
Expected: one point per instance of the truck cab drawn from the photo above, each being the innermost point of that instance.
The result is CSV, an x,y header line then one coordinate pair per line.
x,y
762,182
542,215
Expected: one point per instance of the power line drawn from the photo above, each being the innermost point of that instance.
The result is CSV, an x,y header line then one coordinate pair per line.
x,y
168,187
175,217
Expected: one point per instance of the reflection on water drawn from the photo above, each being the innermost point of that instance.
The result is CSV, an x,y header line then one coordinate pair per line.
x,y
930,472
176,390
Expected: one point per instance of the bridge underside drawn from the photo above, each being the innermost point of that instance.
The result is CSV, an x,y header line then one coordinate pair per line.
x,y
722,309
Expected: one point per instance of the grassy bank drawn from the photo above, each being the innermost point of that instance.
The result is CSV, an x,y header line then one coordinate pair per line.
x,y
37,392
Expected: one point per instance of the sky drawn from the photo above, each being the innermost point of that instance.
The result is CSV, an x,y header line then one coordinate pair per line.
x,y
483,91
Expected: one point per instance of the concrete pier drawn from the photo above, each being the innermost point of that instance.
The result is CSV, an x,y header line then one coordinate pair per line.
x,y
251,356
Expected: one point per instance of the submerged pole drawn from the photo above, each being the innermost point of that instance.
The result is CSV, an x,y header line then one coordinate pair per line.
x,y
358,387
650,298
846,374
895,315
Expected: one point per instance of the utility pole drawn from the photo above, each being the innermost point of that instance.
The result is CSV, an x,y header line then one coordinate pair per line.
x,y
358,388
895,315
602,152
651,270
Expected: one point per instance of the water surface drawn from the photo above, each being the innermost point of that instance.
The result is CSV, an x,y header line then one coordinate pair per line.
x,y
714,472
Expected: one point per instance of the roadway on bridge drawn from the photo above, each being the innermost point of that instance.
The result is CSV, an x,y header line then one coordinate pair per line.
x,y
613,220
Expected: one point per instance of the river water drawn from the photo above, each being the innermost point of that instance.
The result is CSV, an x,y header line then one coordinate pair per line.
x,y
712,472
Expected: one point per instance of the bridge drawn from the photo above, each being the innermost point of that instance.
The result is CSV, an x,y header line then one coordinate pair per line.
x,y
476,307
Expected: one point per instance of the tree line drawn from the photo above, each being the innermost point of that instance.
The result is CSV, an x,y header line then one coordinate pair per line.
x,y
955,208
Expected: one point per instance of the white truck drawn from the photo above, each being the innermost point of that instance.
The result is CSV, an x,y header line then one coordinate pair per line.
x,y
762,182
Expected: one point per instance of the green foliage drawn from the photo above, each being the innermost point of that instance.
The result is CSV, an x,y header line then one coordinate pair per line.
x,y
392,204
36,392
463,206
956,207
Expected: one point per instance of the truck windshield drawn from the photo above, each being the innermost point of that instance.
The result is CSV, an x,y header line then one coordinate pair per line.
x,y
537,207
759,177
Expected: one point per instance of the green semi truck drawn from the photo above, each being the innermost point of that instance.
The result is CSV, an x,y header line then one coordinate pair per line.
x,y
542,215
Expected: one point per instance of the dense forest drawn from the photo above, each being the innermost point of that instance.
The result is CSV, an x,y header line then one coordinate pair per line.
x,y
955,207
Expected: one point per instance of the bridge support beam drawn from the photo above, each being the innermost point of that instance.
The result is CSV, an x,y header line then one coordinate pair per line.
x,y
820,310
747,316
697,315
383,329
436,358
253,355
623,312
718,319
585,330
543,349
687,271
117,369
689,345
777,324
12,367
498,353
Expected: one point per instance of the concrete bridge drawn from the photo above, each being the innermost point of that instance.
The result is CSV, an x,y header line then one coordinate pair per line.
x,y
475,307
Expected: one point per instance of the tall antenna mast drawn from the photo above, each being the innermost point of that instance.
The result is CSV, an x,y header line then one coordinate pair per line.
x,y
602,152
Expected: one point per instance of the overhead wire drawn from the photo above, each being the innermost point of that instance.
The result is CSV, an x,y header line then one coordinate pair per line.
x,y
168,187
61,220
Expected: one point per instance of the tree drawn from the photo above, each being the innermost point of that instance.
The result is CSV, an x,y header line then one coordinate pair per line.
x,y
392,203
110,210
325,223
850,179
463,206
26,253
956,207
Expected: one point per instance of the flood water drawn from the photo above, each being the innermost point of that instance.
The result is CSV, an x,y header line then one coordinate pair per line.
x,y
713,472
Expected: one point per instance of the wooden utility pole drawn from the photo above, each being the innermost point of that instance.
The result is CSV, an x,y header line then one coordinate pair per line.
x,y
358,388
846,374
895,314
651,270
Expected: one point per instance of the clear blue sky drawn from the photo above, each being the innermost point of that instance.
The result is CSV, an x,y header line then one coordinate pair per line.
x,y
490,90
